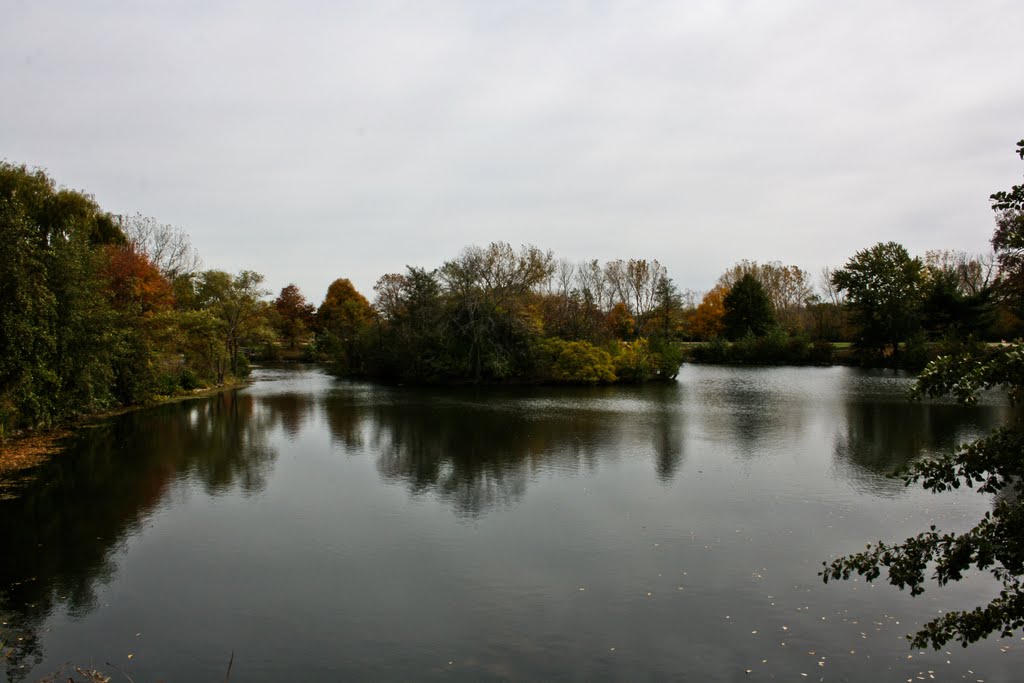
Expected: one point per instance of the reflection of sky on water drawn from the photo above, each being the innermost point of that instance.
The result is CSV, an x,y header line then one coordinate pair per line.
x,y
300,481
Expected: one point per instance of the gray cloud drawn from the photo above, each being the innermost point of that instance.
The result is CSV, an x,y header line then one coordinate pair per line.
x,y
313,141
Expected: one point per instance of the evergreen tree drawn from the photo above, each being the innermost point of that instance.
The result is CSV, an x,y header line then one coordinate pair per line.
x,y
748,311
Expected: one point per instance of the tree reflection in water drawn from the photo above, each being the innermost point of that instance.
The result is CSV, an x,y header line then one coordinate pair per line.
x,y
879,437
477,457
474,449
479,450
62,528
749,409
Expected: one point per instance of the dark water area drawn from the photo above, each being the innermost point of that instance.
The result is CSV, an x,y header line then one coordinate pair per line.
x,y
323,530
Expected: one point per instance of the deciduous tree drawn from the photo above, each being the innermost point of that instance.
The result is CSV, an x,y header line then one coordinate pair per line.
x,y
883,287
342,320
237,301
56,324
134,283
295,315
166,246
634,283
706,320
486,290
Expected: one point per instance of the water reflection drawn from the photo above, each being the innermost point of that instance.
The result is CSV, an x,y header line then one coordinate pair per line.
x,y
345,414
476,451
882,431
749,410
290,410
61,530
477,456
668,436
480,451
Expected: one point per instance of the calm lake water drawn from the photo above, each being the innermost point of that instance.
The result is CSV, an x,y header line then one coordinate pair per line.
x,y
323,530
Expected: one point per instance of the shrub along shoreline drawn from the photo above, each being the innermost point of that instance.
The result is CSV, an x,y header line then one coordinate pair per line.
x,y
779,350
776,348
25,450
557,362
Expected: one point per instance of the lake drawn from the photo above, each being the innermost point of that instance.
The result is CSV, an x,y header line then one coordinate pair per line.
x,y
317,529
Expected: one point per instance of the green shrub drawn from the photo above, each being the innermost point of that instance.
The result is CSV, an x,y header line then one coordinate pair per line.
x,y
166,385
669,357
189,380
775,348
244,367
573,362
715,350
634,361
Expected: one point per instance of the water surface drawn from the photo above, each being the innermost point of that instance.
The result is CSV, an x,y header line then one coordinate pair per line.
x,y
320,529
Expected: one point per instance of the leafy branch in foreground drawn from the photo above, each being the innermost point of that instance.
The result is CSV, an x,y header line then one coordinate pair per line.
x,y
993,465
1014,199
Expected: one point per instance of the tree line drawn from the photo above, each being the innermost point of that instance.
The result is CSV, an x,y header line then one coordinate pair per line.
x,y
893,308
496,313
99,310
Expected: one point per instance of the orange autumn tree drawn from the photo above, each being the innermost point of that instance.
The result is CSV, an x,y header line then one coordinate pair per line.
x,y
343,320
706,321
135,284
143,347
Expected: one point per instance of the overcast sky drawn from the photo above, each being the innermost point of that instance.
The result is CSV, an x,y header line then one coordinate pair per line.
x,y
310,141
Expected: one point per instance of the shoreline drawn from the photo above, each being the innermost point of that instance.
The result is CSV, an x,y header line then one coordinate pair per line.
x,y
28,450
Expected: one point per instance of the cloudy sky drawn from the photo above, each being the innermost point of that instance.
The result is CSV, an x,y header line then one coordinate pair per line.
x,y
311,141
